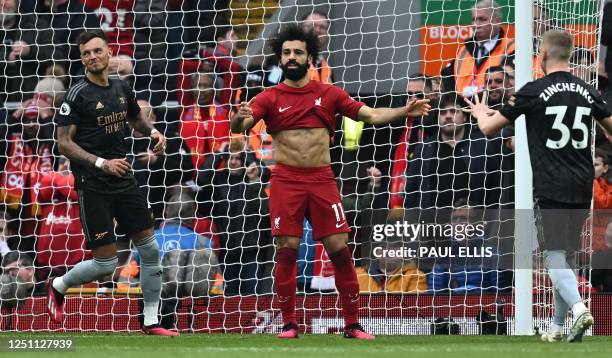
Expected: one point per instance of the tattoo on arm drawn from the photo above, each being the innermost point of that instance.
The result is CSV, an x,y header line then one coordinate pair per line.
x,y
70,149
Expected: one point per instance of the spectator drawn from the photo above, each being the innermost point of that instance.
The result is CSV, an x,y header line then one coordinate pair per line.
x,y
318,22
18,281
414,131
189,265
602,190
392,274
25,154
25,52
6,231
466,274
500,88
232,193
226,39
52,87
204,126
498,85
219,56
418,86
489,46
60,243
454,164
36,109
68,18
509,69
158,173
150,50
601,277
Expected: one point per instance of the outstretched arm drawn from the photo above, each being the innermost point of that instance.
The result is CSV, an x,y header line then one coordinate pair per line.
x,y
379,116
489,121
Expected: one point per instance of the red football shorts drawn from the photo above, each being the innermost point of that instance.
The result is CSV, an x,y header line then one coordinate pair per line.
x,y
296,193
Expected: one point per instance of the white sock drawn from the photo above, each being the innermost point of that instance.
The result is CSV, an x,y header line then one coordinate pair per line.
x,y
555,328
578,308
59,284
150,313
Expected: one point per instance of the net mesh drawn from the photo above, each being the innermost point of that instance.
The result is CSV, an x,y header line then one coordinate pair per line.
x,y
190,65
580,18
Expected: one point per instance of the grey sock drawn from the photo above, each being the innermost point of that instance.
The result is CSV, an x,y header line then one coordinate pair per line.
x,y
561,309
150,277
90,270
562,276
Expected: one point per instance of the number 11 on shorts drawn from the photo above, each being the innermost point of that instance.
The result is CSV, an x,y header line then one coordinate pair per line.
x,y
339,211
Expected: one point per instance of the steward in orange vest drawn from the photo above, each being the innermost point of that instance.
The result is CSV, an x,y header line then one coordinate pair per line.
x,y
320,71
465,74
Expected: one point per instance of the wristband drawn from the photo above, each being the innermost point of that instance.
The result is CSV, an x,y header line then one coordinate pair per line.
x,y
153,131
100,162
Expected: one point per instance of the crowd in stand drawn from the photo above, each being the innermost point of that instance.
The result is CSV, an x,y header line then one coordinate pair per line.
x,y
208,192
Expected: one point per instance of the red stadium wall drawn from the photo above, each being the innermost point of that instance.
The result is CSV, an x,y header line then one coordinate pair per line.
x,y
381,314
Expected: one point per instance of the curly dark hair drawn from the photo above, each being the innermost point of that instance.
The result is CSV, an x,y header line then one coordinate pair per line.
x,y
294,32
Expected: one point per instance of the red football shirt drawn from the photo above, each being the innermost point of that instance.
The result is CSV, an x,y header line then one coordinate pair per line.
x,y
204,130
116,17
312,106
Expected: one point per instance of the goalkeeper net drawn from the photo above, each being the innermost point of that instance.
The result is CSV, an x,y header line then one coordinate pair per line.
x,y
190,65
580,18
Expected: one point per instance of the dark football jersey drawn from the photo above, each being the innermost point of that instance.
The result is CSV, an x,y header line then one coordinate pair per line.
x,y
100,114
559,109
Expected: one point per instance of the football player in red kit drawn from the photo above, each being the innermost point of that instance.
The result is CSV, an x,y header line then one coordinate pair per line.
x,y
301,116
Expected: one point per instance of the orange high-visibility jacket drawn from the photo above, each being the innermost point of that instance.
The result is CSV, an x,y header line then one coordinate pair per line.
x,y
467,74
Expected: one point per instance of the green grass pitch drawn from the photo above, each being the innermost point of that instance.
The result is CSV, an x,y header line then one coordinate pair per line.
x,y
318,346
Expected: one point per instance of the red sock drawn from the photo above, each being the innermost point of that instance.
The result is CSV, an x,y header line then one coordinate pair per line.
x,y
285,277
347,285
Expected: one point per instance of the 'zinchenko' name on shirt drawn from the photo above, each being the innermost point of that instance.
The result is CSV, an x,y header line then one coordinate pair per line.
x,y
565,87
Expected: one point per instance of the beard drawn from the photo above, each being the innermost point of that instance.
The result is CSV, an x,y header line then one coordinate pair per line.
x,y
295,74
495,98
96,71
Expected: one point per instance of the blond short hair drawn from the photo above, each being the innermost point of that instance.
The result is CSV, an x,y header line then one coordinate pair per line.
x,y
559,43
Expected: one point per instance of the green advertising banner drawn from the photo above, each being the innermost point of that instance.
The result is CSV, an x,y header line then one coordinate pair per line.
x,y
458,12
